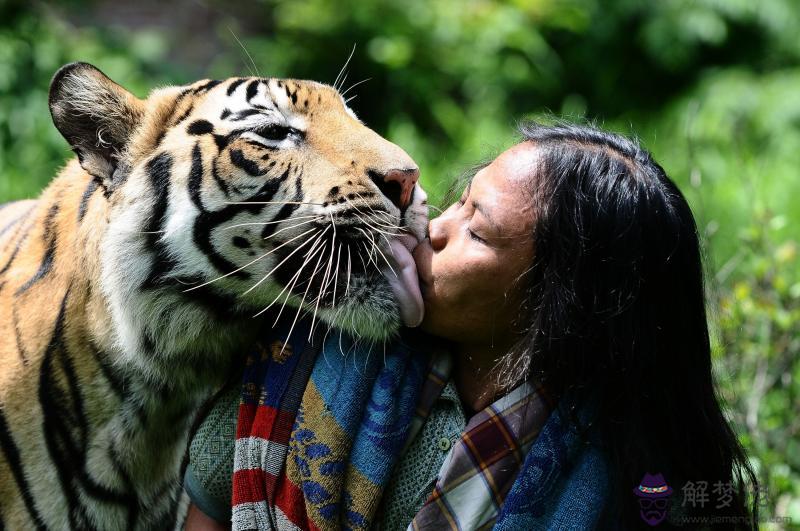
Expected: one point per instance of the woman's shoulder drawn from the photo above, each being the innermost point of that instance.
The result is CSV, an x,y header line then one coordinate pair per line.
x,y
208,479
219,424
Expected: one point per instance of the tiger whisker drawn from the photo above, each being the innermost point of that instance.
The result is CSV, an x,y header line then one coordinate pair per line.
x,y
333,245
327,278
333,224
303,299
272,203
336,275
386,223
387,262
354,85
307,257
354,206
250,262
288,228
266,222
336,270
361,257
386,220
265,277
393,230
377,248
347,289
388,245
376,229
324,285
344,79
364,215
377,213
367,223
370,258
339,75
257,73
292,281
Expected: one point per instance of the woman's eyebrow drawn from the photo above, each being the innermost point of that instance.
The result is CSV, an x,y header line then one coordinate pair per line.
x,y
479,207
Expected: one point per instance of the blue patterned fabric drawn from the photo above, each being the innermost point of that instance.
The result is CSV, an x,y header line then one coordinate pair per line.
x,y
352,416
563,483
372,398
320,429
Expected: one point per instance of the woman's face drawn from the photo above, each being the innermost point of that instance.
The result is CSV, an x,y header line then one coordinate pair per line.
x,y
477,249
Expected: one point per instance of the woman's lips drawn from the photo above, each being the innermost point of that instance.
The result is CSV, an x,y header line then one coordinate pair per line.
x,y
422,259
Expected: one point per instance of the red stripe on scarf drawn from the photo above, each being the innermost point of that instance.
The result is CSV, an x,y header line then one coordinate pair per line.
x,y
265,422
290,500
247,414
249,485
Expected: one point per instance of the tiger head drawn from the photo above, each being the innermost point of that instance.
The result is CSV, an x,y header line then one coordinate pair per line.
x,y
228,198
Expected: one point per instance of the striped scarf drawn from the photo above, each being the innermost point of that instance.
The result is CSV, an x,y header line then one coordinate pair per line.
x,y
320,427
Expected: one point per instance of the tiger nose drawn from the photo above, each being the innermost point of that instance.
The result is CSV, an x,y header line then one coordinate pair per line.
x,y
397,185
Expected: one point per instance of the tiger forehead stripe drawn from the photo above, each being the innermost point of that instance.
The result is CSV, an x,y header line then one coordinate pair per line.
x,y
252,89
234,85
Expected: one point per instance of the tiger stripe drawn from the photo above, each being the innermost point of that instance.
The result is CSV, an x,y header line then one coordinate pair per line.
x,y
126,288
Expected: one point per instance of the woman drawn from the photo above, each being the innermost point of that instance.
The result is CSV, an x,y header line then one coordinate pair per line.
x,y
568,285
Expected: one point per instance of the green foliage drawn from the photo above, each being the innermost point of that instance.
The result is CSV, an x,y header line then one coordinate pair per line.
x,y
757,352
33,45
710,86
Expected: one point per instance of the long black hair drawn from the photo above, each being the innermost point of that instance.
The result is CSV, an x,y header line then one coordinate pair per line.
x,y
614,319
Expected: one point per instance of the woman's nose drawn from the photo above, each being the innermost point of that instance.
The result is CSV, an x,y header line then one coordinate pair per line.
x,y
436,234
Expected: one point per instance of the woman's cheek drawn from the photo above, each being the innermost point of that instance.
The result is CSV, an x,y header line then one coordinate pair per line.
x,y
466,284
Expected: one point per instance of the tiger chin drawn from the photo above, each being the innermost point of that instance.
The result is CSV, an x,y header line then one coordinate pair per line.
x,y
188,220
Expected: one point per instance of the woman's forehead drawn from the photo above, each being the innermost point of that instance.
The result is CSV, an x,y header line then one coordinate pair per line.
x,y
515,166
502,189
518,162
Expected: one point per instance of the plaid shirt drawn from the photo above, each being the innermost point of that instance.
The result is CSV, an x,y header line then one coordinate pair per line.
x,y
483,464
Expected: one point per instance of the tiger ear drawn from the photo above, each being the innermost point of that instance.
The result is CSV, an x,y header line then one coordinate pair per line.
x,y
95,115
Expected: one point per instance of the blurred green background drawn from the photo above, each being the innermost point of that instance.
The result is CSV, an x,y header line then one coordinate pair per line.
x,y
712,87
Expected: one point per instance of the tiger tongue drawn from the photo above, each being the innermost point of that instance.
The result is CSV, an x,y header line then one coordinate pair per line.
x,y
404,280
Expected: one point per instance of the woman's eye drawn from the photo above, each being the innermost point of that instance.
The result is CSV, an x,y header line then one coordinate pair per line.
x,y
475,236
274,132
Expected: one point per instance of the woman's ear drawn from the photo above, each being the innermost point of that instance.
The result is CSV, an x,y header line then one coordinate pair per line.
x,y
95,115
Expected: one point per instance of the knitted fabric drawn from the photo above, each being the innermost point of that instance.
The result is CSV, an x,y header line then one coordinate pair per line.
x,y
208,479
316,452
415,475
346,433
209,474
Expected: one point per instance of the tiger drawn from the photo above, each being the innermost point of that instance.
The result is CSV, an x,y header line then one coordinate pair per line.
x,y
158,253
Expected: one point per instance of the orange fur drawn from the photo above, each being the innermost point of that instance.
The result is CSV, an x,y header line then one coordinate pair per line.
x,y
91,429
